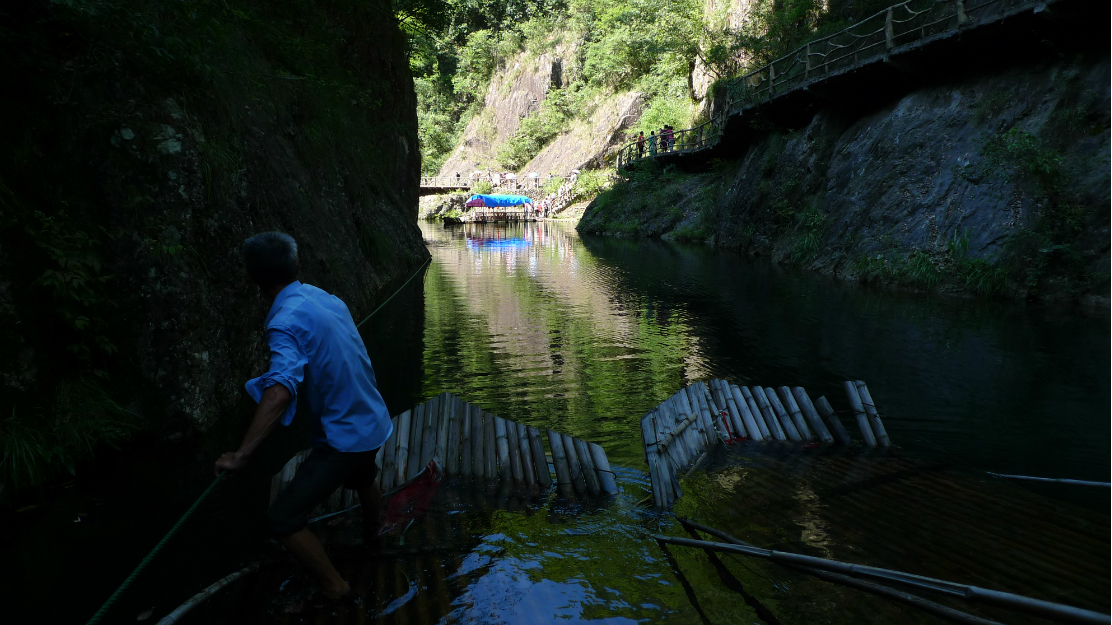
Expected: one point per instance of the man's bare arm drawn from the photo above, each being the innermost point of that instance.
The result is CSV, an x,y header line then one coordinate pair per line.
x,y
271,407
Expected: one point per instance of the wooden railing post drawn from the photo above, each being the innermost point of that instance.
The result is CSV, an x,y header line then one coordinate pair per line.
x,y
807,63
771,79
889,37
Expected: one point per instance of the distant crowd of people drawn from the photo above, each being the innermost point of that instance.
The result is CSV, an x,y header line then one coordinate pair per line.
x,y
664,141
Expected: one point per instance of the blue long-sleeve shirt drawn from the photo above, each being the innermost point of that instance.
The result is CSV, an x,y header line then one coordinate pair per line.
x,y
317,354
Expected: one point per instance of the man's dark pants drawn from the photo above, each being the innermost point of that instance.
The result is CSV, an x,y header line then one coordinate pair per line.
x,y
317,478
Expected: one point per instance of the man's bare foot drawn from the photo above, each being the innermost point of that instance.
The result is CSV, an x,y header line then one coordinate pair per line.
x,y
336,592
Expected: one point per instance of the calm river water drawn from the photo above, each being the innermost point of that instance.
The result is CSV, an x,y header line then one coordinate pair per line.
x,y
585,335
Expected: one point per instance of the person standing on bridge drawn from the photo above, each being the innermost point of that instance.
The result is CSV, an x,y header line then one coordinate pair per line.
x,y
652,143
641,144
316,355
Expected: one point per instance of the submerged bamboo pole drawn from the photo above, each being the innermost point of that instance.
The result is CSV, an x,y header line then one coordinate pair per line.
x,y
648,437
804,404
536,445
872,414
695,443
684,402
490,447
602,465
756,423
727,398
502,444
515,452
832,420
752,429
454,432
590,473
702,393
428,437
559,459
781,414
721,417
859,413
670,464
671,424
402,456
386,475
788,402
526,455
706,424
465,445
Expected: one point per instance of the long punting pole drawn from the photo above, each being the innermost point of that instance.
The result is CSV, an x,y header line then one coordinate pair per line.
x,y
962,591
916,601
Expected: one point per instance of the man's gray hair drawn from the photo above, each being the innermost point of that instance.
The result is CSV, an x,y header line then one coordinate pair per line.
x,y
271,259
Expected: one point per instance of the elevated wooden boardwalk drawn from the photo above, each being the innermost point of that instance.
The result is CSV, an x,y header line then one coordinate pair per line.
x,y
679,433
860,59
471,442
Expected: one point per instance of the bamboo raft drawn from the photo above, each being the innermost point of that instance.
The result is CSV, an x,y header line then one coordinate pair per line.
x,y
471,442
679,433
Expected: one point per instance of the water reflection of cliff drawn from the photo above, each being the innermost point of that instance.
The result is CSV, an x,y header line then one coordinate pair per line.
x,y
529,304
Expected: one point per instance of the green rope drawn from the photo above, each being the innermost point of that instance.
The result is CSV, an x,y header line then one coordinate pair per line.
x,y
395,292
150,556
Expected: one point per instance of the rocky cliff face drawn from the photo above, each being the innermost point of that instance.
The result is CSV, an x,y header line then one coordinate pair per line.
x,y
519,90
996,184
147,143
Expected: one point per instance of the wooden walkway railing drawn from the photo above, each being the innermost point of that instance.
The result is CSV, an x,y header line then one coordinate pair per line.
x,y
444,182
899,28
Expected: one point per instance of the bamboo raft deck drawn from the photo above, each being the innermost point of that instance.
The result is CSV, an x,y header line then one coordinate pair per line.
x,y
471,442
679,433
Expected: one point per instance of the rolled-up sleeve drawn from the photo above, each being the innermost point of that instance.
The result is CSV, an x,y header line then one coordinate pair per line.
x,y
287,367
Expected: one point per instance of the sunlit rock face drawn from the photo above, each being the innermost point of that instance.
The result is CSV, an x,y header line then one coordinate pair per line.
x,y
857,193
167,162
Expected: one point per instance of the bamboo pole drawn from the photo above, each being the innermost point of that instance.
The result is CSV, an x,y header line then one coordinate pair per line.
x,y
757,393
527,469
714,410
602,465
490,447
872,414
502,444
590,473
465,450
832,420
386,475
751,427
648,438
671,425
416,429
785,419
788,402
442,423
559,459
575,465
402,456
544,476
428,437
691,431
706,424
859,413
804,404
754,411
515,453
454,431
727,399
670,465
684,402
478,463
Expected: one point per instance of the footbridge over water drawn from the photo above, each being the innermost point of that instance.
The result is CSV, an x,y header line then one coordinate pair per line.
x,y
909,43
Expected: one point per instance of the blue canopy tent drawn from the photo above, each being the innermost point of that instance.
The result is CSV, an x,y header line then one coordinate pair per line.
x,y
492,201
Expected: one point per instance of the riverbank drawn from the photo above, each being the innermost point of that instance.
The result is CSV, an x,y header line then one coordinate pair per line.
x,y
994,186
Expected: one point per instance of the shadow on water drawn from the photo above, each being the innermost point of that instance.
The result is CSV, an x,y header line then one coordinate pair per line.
x,y
584,335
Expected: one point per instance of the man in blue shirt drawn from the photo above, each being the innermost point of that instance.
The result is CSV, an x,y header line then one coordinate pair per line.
x,y
316,355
